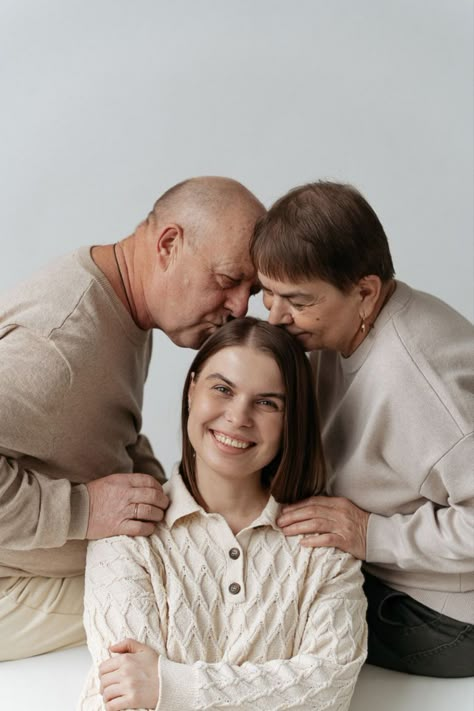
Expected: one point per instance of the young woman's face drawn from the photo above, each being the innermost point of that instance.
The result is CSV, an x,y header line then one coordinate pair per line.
x,y
236,408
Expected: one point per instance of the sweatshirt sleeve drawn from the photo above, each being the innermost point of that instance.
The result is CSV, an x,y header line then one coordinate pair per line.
x,y
321,674
33,382
30,501
439,535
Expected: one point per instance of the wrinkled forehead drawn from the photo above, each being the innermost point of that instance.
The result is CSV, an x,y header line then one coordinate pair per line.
x,y
229,254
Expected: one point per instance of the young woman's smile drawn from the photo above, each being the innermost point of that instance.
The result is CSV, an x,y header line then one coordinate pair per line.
x,y
230,442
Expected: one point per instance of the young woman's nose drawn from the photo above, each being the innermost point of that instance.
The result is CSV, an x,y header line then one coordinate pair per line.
x,y
238,413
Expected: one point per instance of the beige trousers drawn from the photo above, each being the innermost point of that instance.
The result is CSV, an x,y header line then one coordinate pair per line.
x,y
39,615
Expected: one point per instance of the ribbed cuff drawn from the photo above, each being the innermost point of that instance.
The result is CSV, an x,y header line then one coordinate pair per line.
x,y
79,512
383,533
176,686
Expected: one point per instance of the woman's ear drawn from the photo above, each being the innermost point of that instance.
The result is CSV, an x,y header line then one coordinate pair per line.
x,y
369,291
192,385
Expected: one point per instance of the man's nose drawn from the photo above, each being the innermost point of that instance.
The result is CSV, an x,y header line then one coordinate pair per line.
x,y
238,301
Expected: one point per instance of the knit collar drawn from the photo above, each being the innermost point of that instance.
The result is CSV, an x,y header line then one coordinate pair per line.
x,y
183,504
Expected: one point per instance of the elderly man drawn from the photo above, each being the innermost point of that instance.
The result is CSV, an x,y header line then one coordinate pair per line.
x,y
75,344
394,378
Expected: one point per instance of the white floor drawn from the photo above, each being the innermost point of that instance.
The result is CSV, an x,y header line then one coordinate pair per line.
x,y
52,682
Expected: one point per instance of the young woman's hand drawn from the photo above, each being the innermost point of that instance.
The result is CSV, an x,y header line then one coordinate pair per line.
x,y
129,680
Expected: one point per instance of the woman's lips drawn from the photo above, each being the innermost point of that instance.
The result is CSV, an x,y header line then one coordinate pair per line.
x,y
231,441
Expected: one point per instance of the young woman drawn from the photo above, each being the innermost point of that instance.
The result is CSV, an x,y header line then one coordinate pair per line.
x,y
218,609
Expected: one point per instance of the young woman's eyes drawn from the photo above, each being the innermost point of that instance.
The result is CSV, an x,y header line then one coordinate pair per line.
x,y
270,405
222,389
263,403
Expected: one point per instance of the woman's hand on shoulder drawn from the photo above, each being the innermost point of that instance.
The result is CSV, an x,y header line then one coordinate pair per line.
x,y
129,680
327,521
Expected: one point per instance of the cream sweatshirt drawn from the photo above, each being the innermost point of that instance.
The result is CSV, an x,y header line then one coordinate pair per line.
x,y
398,421
72,370
251,621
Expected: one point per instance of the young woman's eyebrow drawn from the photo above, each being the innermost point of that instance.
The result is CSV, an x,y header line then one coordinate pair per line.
x,y
219,376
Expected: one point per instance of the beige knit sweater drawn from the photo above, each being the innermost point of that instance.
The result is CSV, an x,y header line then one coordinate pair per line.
x,y
251,622
72,371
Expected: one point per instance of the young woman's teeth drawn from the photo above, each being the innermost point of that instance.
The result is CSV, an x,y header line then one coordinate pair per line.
x,y
231,442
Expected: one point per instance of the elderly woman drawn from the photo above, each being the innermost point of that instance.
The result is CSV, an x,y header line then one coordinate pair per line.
x,y
394,381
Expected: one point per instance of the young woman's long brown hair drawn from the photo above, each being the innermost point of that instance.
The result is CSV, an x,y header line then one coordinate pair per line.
x,y
298,470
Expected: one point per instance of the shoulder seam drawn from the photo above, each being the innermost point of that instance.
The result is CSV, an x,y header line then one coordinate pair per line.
x,y
419,370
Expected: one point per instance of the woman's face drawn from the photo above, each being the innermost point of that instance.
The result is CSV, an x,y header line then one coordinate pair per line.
x,y
236,410
318,314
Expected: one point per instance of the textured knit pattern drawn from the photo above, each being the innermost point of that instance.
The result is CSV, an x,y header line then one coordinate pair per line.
x,y
398,419
293,637
72,371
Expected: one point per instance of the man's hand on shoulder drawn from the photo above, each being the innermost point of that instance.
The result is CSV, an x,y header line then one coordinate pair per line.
x,y
327,521
125,504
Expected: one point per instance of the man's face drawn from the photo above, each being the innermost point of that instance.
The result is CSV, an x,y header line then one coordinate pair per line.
x,y
210,282
318,314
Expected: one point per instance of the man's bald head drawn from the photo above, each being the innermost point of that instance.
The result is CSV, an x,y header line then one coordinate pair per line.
x,y
190,259
198,203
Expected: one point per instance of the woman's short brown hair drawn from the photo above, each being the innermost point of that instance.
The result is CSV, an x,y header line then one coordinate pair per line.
x,y
325,231
298,469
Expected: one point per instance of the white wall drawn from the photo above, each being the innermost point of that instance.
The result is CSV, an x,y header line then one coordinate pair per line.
x,y
105,104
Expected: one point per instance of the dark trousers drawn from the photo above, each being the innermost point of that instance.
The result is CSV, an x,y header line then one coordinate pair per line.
x,y
409,637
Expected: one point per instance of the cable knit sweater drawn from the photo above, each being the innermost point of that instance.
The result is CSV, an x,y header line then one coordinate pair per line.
x,y
248,621
73,364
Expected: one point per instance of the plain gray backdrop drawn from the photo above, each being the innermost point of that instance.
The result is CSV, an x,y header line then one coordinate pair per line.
x,y
106,104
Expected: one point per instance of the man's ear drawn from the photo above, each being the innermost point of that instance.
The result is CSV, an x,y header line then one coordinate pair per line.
x,y
369,291
168,244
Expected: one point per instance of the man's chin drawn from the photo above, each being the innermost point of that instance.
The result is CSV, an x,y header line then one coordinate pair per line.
x,y
188,340
194,337
201,335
